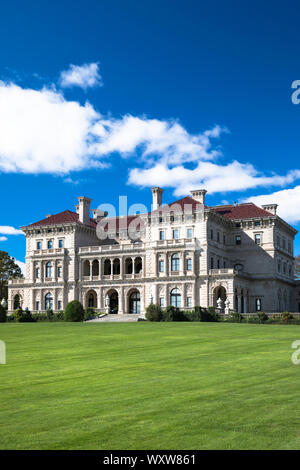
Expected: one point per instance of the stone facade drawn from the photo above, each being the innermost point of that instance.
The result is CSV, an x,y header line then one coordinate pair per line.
x,y
184,253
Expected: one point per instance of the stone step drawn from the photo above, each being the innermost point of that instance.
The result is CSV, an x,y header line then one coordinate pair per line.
x,y
117,318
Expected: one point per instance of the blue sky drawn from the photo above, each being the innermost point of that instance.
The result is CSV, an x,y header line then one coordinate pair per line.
x,y
182,94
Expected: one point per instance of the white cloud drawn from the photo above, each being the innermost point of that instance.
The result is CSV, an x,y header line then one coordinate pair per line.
x,y
84,76
287,200
41,132
214,177
7,230
22,265
3,239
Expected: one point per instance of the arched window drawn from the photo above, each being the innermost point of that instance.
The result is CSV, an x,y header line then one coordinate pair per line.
x,y
175,263
128,266
107,267
48,301
138,265
95,268
176,298
116,266
49,269
50,244
17,302
135,302
86,268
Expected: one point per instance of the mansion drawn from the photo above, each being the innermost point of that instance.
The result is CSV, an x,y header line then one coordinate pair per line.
x,y
186,253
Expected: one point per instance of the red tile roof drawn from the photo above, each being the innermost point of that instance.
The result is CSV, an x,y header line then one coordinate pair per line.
x,y
232,212
248,210
64,217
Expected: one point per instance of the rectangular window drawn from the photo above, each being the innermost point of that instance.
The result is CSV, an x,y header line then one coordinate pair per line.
x,y
59,304
224,240
162,302
224,264
189,302
211,234
59,271
211,263
257,223
279,266
60,243
161,235
257,238
37,305
39,245
258,305
218,264
218,237
238,224
189,264
283,243
238,240
189,233
161,266
175,234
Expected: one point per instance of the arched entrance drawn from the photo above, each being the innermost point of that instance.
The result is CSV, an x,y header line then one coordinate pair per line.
x,y
135,302
17,302
220,293
91,299
113,305
175,298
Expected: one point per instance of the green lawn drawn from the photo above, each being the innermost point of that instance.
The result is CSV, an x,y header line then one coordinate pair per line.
x,y
149,386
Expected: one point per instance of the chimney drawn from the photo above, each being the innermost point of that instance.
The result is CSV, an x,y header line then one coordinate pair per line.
x,y
156,198
84,209
270,208
77,209
199,195
48,215
98,214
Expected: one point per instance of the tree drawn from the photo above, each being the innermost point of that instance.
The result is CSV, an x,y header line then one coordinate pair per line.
x,y
8,270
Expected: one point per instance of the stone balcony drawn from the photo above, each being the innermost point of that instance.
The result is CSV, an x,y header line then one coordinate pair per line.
x,y
111,248
16,281
49,252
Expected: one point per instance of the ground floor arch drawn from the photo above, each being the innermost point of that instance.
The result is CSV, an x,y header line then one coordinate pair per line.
x,y
112,301
134,302
91,299
17,301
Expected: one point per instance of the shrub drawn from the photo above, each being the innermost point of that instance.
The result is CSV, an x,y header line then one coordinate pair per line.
x,y
59,316
262,317
235,317
285,317
74,311
50,314
23,316
41,316
209,314
3,316
171,313
153,312
89,314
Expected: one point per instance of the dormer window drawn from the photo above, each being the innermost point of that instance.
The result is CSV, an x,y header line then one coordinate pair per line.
x,y
238,224
238,240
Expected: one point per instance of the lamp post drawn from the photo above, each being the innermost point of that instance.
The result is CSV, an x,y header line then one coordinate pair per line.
x,y
3,303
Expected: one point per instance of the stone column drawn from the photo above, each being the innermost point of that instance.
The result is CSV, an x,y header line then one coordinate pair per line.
x,y
100,267
183,296
121,267
166,296
80,269
155,264
91,270
239,302
182,264
111,268
121,301
166,264
245,303
133,267
193,262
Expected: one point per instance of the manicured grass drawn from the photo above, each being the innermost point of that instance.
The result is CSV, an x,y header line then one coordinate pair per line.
x,y
149,386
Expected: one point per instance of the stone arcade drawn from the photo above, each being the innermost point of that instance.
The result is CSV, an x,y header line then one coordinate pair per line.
x,y
236,257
